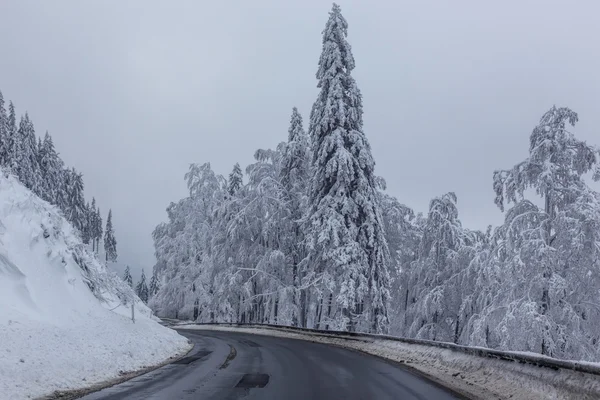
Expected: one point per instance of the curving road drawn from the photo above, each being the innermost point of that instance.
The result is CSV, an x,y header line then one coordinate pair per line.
x,y
231,365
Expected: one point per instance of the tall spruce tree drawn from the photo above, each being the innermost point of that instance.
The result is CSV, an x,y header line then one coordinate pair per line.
x,y
294,175
348,246
110,243
141,288
127,277
235,179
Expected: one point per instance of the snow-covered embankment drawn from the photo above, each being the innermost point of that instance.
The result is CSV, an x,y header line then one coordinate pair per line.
x,y
64,319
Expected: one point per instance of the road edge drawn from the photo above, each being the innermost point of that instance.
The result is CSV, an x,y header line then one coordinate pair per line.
x,y
125,376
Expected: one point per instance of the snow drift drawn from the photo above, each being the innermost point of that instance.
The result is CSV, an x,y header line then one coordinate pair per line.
x,y
64,318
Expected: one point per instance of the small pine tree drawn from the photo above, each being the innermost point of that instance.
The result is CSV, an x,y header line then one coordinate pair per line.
x,y
110,243
141,288
14,142
51,167
98,231
235,179
76,211
4,138
127,277
86,233
92,223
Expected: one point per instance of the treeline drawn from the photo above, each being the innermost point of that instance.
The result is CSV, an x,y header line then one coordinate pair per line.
x,y
308,237
143,291
37,164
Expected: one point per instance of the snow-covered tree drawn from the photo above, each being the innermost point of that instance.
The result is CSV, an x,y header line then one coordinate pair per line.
x,y
154,286
51,167
4,136
92,223
74,208
348,246
141,288
294,176
26,155
110,243
235,179
127,276
547,259
433,283
98,228
86,233
14,140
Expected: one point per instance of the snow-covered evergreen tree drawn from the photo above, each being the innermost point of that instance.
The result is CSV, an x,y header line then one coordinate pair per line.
x,y
236,178
127,276
154,286
51,167
99,230
348,247
141,289
75,208
4,136
294,175
110,243
92,223
86,233
14,140
26,155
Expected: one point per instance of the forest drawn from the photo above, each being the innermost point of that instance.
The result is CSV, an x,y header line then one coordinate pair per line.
x,y
37,164
307,236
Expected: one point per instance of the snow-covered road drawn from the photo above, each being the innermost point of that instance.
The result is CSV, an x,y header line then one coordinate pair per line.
x,y
232,365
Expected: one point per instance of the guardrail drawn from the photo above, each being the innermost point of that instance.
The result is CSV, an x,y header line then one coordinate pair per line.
x,y
539,361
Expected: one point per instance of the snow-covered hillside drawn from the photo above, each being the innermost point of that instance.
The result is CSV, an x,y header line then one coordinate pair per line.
x,y
64,319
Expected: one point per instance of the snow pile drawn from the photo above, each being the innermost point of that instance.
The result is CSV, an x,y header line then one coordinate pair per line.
x,y
64,322
473,376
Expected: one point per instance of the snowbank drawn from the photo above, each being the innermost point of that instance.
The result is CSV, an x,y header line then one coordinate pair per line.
x,y
473,376
57,329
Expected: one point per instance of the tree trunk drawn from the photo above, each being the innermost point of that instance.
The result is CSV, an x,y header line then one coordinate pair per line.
x,y
303,306
545,304
295,294
319,313
456,330
329,311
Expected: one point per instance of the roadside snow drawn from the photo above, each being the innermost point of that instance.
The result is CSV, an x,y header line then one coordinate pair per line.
x,y
473,376
55,332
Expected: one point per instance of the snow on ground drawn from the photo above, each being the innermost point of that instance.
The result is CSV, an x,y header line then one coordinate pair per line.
x,y
473,376
55,332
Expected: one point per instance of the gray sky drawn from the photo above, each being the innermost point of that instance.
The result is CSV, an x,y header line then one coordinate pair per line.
x,y
134,91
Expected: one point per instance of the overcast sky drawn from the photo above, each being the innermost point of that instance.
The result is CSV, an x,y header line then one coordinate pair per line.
x,y
134,91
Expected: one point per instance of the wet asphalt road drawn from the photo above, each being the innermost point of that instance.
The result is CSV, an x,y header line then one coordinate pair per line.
x,y
231,365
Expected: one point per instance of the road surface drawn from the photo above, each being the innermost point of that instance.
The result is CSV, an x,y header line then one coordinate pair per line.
x,y
231,365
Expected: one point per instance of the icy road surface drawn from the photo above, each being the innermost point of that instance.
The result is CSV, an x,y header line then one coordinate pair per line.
x,y
231,365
